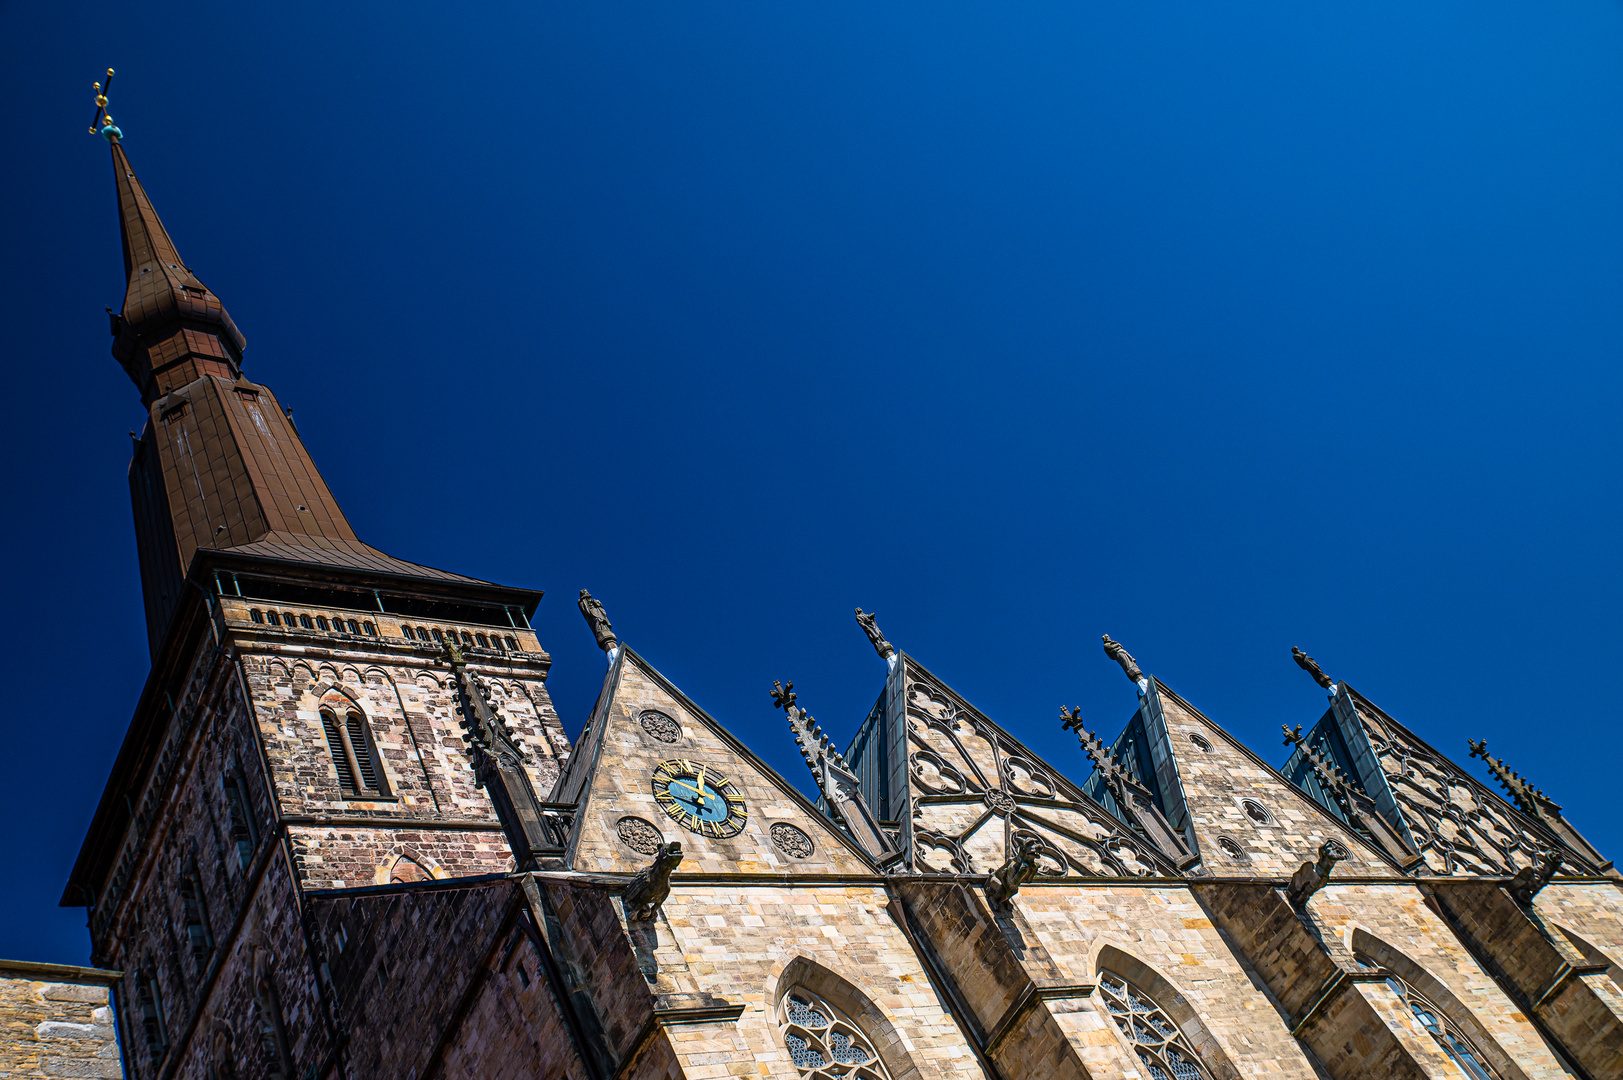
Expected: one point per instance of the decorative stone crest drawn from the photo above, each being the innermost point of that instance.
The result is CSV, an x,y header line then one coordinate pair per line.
x,y
999,801
639,835
792,841
660,726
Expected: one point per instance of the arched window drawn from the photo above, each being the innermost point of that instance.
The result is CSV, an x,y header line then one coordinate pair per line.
x,y
353,628
1157,1041
367,627
150,1002
484,642
823,1043
256,615
512,644
273,618
194,916
353,753
467,638
321,622
242,818
1432,1019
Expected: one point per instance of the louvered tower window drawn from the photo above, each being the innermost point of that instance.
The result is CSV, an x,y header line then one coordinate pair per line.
x,y
823,1043
199,941
1156,1040
353,753
243,836
1449,1037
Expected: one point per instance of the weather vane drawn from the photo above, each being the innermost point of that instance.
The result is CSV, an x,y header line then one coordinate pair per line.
x,y
103,123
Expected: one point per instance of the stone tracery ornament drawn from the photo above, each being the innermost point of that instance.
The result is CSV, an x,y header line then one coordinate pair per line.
x,y
791,841
1159,1044
660,726
823,1042
639,835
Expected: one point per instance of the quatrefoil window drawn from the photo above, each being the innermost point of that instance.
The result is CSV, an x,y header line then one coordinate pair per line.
x,y
823,1043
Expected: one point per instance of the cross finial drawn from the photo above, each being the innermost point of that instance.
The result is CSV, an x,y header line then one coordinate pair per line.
x,y
783,697
102,123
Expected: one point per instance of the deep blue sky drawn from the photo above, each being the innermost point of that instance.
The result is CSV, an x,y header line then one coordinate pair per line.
x,y
1216,327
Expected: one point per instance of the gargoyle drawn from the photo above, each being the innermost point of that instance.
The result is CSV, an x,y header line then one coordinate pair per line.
x,y
1019,868
1530,879
1311,666
651,886
1311,877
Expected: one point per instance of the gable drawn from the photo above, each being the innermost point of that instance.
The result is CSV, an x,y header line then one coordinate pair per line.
x,y
1247,819
964,790
643,723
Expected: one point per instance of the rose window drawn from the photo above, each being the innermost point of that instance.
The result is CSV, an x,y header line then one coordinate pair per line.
x,y
1156,1040
823,1044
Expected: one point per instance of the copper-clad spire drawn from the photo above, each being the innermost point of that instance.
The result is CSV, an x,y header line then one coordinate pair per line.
x,y
172,328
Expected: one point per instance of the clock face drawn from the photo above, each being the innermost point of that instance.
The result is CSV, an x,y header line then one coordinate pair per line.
x,y
699,798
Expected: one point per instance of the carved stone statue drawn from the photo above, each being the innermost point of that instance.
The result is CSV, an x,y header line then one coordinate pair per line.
x,y
871,628
1121,656
1020,867
598,620
1530,879
1312,876
1311,666
652,885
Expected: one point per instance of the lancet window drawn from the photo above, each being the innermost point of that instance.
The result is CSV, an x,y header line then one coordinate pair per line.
x,y
243,836
1438,1026
149,1000
1157,1041
199,940
823,1042
353,754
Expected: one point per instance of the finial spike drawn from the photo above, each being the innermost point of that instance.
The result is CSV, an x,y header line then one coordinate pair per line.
x,y
102,122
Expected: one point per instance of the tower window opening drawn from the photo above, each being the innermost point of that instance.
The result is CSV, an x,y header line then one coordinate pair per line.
x,y
405,632
439,635
242,819
354,627
467,638
305,621
256,615
484,642
199,941
321,622
366,626
353,753
273,618
512,644
422,635
150,1002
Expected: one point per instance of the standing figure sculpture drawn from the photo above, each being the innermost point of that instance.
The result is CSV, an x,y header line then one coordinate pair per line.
x,y
1311,666
1121,656
598,620
871,628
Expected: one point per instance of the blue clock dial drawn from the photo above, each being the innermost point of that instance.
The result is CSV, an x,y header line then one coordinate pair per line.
x,y
699,797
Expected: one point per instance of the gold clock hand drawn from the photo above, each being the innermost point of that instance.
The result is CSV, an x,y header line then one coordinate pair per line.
x,y
703,798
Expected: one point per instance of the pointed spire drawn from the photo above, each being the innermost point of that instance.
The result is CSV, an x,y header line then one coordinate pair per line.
x,y
1528,799
838,782
171,328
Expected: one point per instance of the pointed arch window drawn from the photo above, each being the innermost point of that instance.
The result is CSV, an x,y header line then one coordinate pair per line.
x,y
242,818
194,914
353,753
149,1000
1453,1041
1157,1041
823,1042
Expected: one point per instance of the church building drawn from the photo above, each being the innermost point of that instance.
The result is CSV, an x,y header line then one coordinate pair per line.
x,y
346,837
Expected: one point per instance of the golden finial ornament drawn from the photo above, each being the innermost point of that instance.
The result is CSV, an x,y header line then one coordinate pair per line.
x,y
102,123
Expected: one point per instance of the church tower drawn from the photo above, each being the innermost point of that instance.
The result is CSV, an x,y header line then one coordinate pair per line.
x,y
300,730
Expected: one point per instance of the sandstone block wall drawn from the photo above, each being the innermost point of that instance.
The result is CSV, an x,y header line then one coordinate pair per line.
x,y
57,1021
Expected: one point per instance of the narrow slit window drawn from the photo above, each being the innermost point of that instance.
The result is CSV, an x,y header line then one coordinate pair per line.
x,y
150,1002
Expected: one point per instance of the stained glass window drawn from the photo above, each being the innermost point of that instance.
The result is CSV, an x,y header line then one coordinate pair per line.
x,y
1449,1037
823,1043
1156,1040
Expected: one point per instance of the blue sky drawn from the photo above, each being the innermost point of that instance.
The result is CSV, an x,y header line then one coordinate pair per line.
x,y
1219,328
